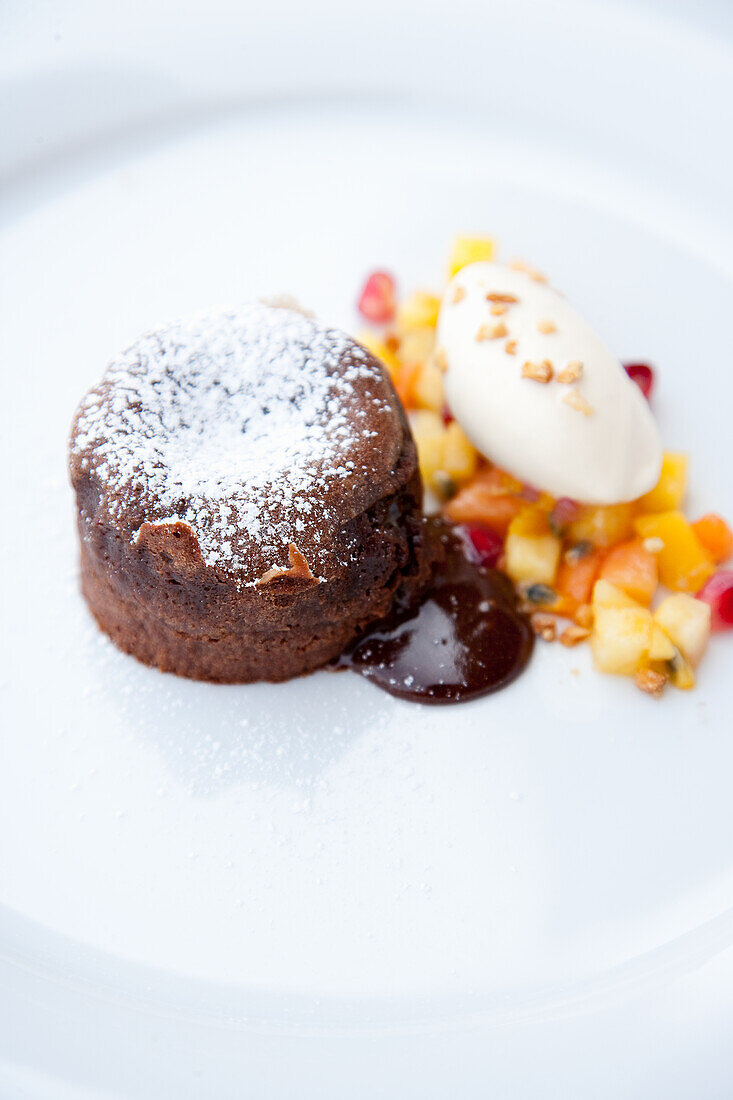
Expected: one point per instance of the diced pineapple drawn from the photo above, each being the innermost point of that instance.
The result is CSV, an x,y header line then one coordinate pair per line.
x,y
686,622
606,594
429,434
445,454
661,648
684,564
380,349
417,345
532,552
460,457
621,638
468,250
669,492
427,387
604,525
420,310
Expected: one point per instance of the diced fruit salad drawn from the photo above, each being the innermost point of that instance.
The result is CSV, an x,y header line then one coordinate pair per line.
x,y
641,581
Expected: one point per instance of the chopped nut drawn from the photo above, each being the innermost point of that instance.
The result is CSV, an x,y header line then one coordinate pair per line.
x,y
520,265
459,294
584,615
538,372
510,347
653,545
441,360
572,635
496,296
571,373
498,311
544,626
576,401
492,332
299,569
651,682
546,326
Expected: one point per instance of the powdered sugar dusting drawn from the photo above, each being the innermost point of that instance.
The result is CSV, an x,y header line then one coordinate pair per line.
x,y
238,423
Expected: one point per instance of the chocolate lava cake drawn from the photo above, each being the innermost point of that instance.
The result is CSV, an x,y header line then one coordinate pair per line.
x,y
248,496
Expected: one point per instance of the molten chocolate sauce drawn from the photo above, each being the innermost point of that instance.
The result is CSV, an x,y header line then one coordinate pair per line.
x,y
465,638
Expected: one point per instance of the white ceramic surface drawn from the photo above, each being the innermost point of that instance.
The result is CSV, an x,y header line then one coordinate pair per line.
x,y
314,889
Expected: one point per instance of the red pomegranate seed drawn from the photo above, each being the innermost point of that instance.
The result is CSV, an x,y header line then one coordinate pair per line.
x,y
643,375
377,301
718,592
447,415
564,512
484,546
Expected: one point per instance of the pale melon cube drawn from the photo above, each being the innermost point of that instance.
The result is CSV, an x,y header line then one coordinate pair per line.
x,y
606,594
621,639
429,433
417,345
428,386
686,622
460,457
661,648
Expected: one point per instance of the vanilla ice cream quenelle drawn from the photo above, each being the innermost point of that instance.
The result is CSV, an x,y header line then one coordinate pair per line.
x,y
539,393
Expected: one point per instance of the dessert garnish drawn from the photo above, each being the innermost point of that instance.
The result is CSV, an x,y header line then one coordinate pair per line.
x,y
543,446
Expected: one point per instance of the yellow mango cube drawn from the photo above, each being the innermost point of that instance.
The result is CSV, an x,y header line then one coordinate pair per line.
x,y
460,457
468,250
532,552
603,525
531,521
669,492
420,310
684,564
621,639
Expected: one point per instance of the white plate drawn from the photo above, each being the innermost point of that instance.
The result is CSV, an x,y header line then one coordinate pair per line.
x,y
209,890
